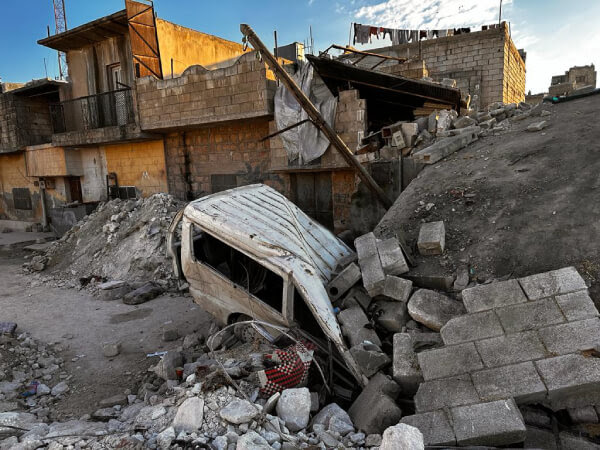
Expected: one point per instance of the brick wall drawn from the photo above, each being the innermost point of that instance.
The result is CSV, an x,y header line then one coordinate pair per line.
x,y
139,164
201,96
23,122
477,61
410,69
199,161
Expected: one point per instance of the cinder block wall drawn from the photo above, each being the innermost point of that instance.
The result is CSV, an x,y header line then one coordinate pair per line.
x,y
201,96
233,149
485,64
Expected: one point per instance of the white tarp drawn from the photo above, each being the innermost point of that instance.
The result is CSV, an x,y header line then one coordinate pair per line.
x,y
305,142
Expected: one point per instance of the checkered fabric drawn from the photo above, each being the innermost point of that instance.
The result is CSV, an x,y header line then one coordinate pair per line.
x,y
292,371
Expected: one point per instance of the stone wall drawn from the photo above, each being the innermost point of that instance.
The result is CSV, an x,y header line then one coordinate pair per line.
x,y
201,96
13,174
23,121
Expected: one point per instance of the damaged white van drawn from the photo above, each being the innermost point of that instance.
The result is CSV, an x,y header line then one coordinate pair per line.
x,y
250,252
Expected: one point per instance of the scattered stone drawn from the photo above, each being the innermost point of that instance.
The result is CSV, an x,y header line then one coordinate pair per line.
x,y
353,321
239,411
252,441
293,408
105,414
191,340
170,334
372,274
143,294
165,368
165,438
471,327
557,282
111,349
59,389
391,257
586,414
433,309
463,122
118,399
449,361
373,440
271,403
392,316
538,126
406,371
402,437
189,415
344,281
432,238
375,408
369,357
397,288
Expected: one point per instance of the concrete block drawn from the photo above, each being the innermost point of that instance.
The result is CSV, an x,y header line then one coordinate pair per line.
x,y
446,393
449,361
356,297
538,126
471,327
493,295
372,274
464,122
405,371
445,147
375,408
410,131
585,414
577,305
391,316
344,281
494,423
539,438
519,381
433,309
397,288
398,140
432,238
391,257
370,358
530,315
556,282
366,245
353,323
511,349
571,336
435,427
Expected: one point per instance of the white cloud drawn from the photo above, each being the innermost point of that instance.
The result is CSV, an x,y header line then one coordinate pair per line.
x,y
432,14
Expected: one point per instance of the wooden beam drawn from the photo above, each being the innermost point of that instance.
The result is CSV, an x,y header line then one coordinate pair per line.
x,y
315,116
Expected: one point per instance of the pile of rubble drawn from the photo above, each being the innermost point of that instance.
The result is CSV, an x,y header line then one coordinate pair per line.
x,y
121,240
495,364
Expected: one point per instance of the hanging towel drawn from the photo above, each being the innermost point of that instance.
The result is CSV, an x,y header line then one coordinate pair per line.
x,y
414,36
430,34
385,32
436,33
373,31
361,33
404,36
442,33
450,32
395,37
422,34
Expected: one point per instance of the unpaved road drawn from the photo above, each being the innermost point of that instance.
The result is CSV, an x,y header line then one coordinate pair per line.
x,y
49,314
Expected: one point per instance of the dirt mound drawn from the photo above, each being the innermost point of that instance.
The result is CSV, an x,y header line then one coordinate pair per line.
x,y
515,204
121,240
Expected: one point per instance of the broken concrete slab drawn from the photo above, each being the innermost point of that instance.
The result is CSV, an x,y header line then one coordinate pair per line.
x,y
432,238
449,361
435,427
463,122
577,305
494,423
391,257
538,126
356,297
143,294
189,415
410,131
406,371
446,393
353,321
375,408
519,381
530,315
445,147
511,349
372,275
571,337
556,282
391,316
471,327
370,358
344,281
293,408
433,309
493,295
397,288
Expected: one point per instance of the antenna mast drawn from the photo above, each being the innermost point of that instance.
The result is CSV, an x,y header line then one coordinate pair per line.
x,y
60,18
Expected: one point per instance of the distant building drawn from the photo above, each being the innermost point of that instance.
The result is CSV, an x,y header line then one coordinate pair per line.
x,y
576,77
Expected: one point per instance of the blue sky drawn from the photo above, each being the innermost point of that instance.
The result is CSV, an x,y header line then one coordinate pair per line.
x,y
556,34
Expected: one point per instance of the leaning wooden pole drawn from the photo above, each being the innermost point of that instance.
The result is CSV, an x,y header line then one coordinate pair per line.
x,y
315,116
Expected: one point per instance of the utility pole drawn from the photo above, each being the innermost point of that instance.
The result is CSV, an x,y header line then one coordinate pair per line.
x,y
60,19
500,14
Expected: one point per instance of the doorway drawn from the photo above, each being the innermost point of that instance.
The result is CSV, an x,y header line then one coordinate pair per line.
x,y
74,186
312,193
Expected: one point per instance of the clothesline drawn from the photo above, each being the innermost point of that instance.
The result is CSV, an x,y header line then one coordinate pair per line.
x,y
363,34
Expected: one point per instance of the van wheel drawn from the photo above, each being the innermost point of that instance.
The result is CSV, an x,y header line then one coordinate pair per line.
x,y
244,331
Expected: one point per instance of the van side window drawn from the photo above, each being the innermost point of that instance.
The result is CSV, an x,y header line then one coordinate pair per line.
x,y
304,317
244,271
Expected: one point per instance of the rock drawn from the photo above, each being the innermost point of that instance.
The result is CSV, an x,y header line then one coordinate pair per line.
x,y
370,358
59,389
582,415
38,263
42,389
354,322
334,418
239,411
293,408
165,438
165,368
252,441
220,443
189,415
170,334
119,399
373,440
105,414
190,341
111,349
115,293
20,422
397,288
406,371
463,122
76,428
271,403
390,315
539,126
143,294
433,309
314,402
402,437
432,238
391,257
113,284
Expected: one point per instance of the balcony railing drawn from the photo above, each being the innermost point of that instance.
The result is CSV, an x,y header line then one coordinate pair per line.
x,y
95,111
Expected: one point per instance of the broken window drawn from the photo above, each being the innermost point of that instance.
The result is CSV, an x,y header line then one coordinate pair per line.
x,y
244,271
305,319
222,182
22,198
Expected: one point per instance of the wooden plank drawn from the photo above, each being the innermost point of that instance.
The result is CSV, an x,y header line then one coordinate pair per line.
x,y
144,40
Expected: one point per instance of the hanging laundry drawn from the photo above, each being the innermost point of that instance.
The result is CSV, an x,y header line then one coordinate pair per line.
x,y
430,34
404,36
361,33
435,33
422,34
465,30
385,32
373,31
414,36
442,33
396,37
450,32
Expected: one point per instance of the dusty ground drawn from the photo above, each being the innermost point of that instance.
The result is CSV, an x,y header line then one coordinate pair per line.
x,y
50,314
515,204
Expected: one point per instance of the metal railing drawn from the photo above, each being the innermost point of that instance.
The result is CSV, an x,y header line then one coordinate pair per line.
x,y
94,111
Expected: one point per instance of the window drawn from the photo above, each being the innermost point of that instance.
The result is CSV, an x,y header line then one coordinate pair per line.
x,y
222,182
22,198
304,317
248,274
580,79
115,80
